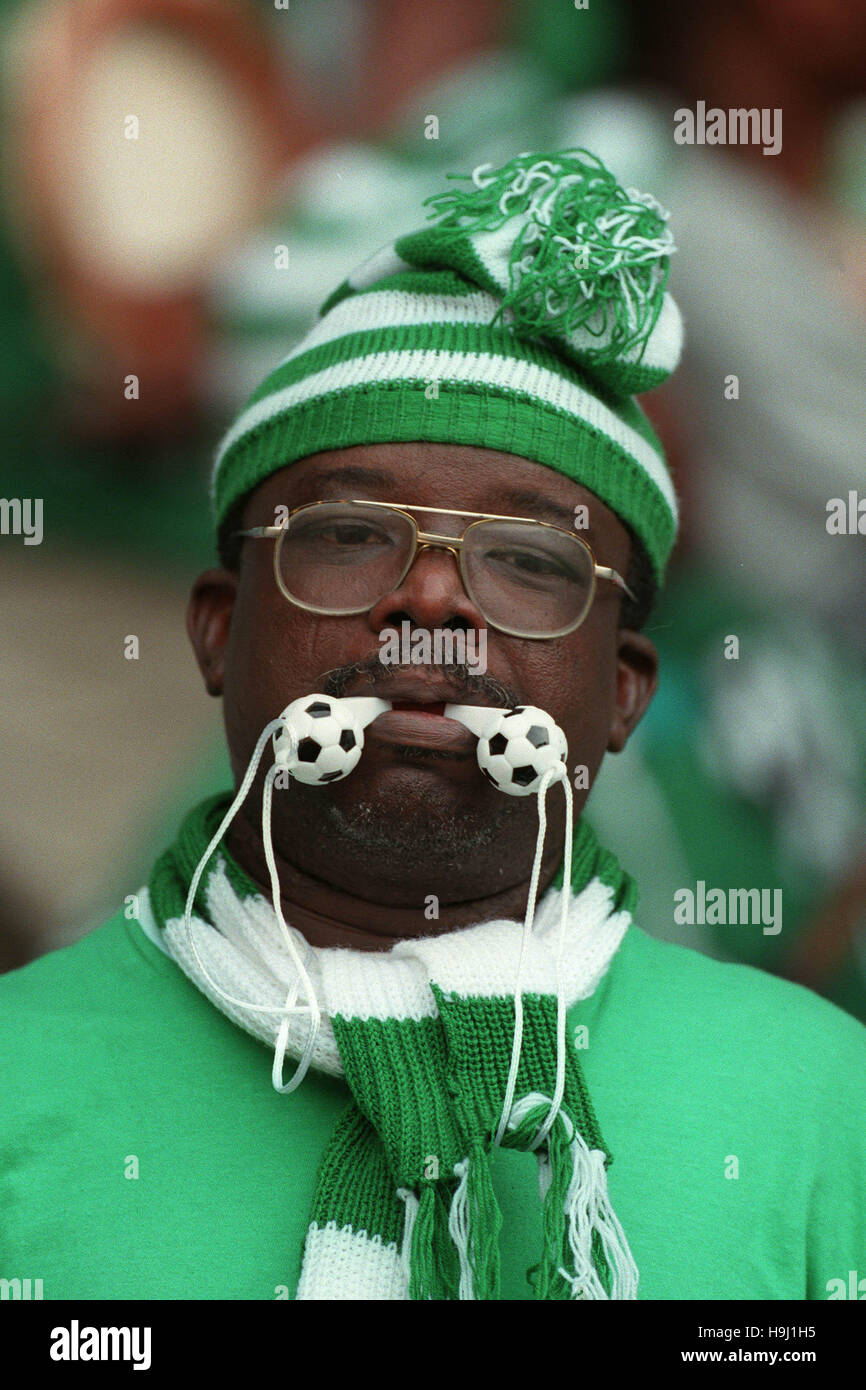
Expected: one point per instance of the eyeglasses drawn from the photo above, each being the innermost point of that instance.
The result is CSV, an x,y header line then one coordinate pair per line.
x,y
527,578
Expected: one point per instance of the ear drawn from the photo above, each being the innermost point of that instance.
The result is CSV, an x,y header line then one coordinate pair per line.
x,y
208,620
637,669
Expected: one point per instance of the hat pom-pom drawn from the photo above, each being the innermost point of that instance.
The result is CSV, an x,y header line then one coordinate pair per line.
x,y
589,260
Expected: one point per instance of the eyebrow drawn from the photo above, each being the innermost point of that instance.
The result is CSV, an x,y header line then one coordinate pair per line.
x,y
538,502
350,475
358,476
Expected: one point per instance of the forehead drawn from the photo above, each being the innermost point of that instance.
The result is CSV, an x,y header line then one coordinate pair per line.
x,y
437,475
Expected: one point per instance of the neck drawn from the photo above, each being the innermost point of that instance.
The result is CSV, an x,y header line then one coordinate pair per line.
x,y
329,916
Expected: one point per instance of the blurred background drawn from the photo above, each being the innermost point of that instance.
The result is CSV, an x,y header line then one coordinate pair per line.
x,y
184,181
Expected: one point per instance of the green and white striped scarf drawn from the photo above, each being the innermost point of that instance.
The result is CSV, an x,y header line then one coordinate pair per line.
x,y
404,1205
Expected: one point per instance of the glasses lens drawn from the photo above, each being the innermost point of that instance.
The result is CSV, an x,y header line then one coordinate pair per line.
x,y
528,578
341,556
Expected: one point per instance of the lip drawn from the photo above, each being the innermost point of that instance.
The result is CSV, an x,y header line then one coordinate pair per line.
x,y
420,723
420,728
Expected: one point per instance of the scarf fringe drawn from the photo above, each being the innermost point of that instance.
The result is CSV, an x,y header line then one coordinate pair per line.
x,y
474,1209
429,1264
586,1254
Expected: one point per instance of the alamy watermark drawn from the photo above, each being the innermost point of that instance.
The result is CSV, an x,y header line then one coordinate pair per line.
x,y
846,516
77,1343
21,1289
738,906
854,1287
443,646
736,126
22,516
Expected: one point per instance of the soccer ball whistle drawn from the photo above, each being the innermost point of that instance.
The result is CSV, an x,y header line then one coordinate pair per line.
x,y
516,747
322,738
319,739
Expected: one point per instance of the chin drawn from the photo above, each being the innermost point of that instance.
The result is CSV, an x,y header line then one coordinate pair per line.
x,y
413,819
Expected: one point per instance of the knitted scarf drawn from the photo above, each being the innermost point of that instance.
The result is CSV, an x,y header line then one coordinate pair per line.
x,y
404,1204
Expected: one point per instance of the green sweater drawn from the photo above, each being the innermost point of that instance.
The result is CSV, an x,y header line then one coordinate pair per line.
x,y
144,1153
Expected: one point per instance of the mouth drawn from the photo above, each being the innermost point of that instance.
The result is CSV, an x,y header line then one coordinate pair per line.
x,y
422,725
414,707
417,719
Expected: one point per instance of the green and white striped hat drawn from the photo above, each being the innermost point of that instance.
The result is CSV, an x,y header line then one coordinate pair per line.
x,y
523,318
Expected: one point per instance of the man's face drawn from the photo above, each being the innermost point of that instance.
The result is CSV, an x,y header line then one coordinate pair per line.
x,y
418,817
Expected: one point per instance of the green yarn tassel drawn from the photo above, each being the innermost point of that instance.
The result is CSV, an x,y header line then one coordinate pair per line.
x,y
485,1225
454,1248
427,1276
558,1255
549,1283
588,254
561,1274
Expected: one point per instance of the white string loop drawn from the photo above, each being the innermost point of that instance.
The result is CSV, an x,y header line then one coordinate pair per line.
x,y
558,773
290,1007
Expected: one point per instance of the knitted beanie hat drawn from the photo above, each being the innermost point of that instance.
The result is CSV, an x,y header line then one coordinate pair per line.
x,y
524,319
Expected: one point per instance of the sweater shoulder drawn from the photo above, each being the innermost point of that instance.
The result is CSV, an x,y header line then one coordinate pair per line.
x,y
739,1005
113,956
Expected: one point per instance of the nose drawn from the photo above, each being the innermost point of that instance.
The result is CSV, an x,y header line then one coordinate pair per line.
x,y
431,594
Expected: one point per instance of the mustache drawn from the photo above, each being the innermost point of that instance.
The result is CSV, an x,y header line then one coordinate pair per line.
x,y
466,682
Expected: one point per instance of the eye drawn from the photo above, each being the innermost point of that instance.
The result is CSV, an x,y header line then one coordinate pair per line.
x,y
530,563
349,533
346,534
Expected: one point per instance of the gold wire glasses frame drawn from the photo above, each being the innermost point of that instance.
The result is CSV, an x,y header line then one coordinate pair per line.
x,y
424,540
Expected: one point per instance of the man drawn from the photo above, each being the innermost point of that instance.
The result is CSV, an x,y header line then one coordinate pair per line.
x,y
461,1086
